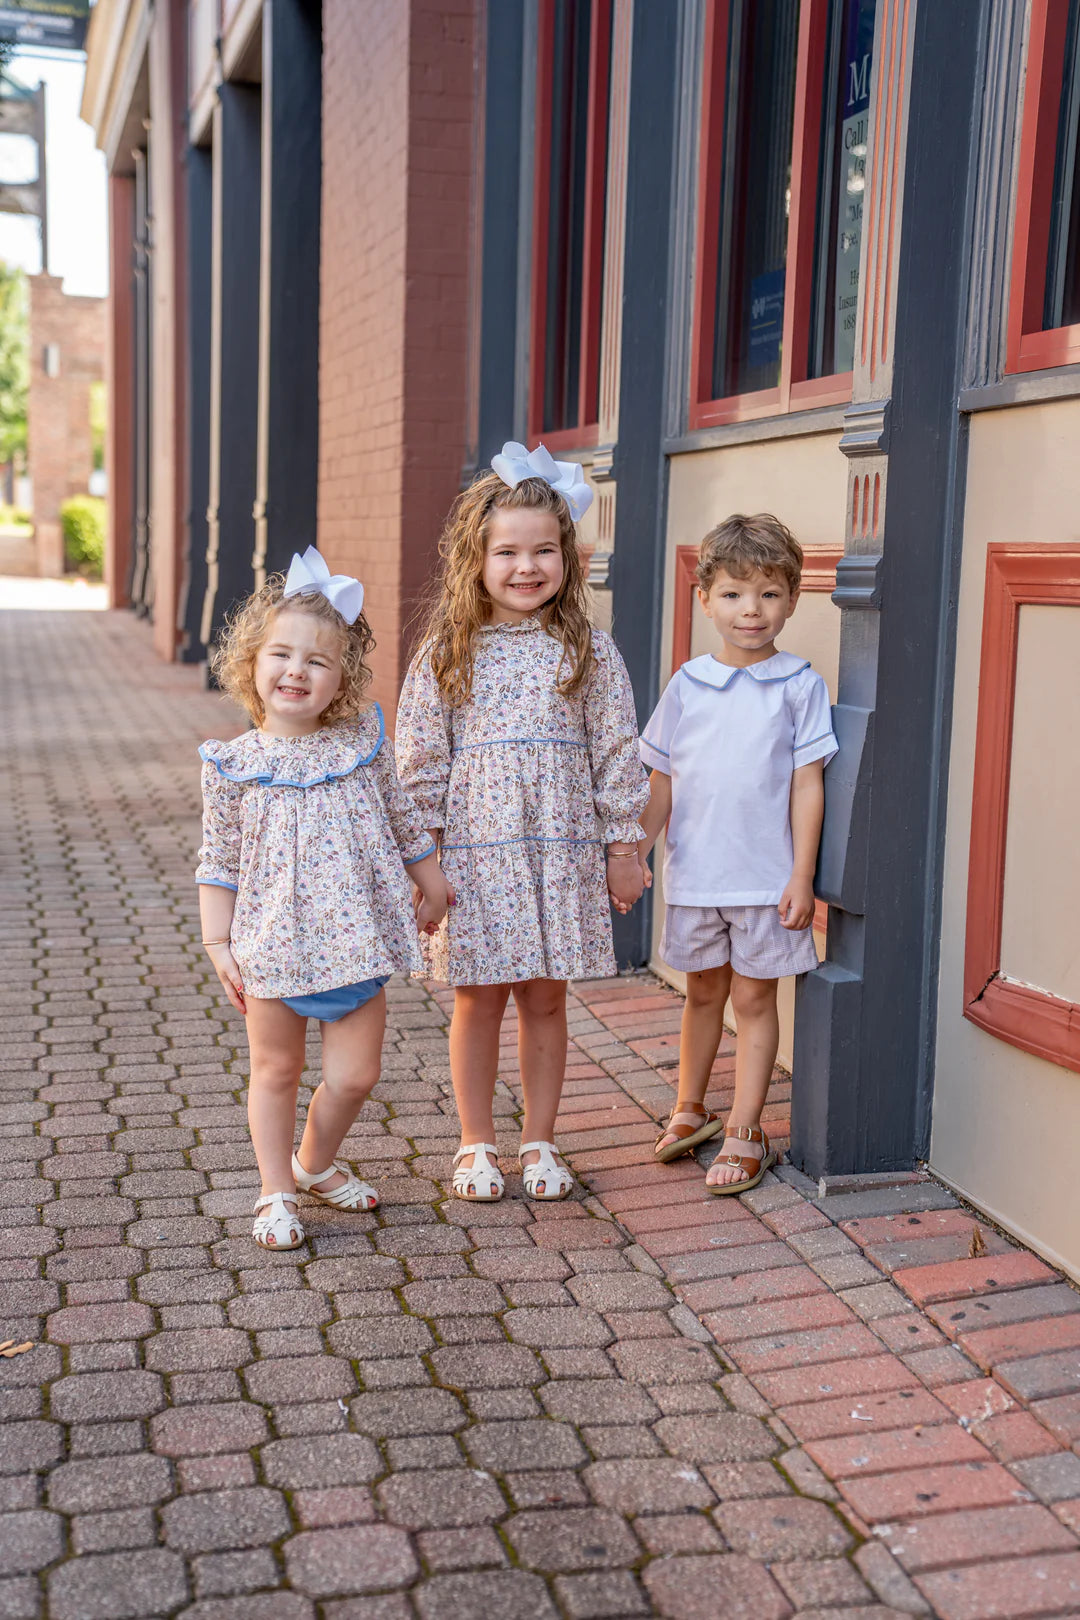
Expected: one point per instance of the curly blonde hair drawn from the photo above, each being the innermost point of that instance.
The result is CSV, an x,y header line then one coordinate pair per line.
x,y
742,546
246,631
461,604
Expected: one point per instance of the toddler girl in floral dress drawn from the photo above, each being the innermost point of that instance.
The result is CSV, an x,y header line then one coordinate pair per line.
x,y
517,739
305,903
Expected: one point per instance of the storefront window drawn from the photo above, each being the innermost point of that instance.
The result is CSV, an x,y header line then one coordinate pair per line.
x,y
786,112
571,189
755,179
1044,294
844,129
1062,305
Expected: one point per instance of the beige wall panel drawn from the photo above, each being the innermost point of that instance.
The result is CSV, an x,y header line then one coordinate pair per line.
x,y
1040,942
1005,1123
804,482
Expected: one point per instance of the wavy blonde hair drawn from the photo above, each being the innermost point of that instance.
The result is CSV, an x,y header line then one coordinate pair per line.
x,y
461,604
247,629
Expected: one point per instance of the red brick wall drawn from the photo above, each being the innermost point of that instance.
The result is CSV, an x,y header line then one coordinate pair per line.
x,y
397,130
60,455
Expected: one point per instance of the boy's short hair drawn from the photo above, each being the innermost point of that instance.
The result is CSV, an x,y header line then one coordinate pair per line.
x,y
746,545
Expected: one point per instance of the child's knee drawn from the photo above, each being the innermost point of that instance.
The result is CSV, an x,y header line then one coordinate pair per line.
x,y
707,986
354,1084
540,998
752,998
274,1076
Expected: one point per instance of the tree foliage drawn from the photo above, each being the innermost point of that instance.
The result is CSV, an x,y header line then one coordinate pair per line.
x,y
14,361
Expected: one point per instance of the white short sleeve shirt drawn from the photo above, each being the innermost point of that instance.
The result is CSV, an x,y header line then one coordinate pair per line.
x,y
730,739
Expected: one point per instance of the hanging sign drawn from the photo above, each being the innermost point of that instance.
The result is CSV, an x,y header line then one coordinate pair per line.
x,y
57,24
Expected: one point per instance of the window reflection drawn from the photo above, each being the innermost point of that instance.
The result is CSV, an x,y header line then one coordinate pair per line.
x,y
1062,306
842,183
759,104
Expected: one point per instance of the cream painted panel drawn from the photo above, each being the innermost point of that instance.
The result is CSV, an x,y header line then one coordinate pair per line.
x,y
804,482
1040,940
1023,483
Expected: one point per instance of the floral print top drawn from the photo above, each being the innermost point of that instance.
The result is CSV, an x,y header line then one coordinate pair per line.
x,y
312,833
527,786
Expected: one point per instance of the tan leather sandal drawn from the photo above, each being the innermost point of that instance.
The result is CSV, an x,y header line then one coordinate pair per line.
x,y
691,1123
755,1168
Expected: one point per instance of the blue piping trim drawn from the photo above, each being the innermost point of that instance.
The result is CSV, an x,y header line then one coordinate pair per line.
x,y
800,746
216,883
651,746
268,780
412,860
496,843
502,742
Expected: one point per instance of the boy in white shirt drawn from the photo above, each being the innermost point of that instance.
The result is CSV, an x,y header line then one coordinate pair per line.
x,y
737,746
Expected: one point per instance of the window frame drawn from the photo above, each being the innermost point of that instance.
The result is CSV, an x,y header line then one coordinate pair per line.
x,y
1029,345
587,433
795,391
1017,574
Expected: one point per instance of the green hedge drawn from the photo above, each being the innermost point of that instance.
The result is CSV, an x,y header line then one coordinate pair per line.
x,y
83,522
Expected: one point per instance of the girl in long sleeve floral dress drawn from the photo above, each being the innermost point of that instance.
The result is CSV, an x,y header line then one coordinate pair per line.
x,y
517,740
305,903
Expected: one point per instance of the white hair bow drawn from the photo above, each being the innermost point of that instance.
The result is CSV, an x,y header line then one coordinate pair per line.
x,y
515,463
309,576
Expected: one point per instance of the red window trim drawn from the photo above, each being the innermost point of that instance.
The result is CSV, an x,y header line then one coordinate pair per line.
x,y
588,433
819,574
1029,347
1031,1019
796,390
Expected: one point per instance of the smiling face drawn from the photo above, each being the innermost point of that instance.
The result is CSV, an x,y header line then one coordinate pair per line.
x,y
749,613
523,562
297,672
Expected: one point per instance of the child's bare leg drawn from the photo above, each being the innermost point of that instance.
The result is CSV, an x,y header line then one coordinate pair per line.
x,y
474,1057
351,1054
700,1036
276,1041
541,1008
754,1002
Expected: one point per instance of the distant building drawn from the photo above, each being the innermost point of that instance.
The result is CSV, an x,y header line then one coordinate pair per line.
x,y
67,356
819,258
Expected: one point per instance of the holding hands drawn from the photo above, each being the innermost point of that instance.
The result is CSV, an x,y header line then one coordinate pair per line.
x,y
627,876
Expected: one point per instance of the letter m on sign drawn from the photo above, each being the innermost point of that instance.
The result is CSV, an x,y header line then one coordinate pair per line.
x,y
858,81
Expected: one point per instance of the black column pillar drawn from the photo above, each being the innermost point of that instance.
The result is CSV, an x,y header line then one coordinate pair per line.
x,y
288,443
639,463
865,1020
234,353
140,585
197,405
498,305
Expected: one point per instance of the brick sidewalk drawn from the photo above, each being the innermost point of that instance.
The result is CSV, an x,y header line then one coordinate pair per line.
x,y
643,1401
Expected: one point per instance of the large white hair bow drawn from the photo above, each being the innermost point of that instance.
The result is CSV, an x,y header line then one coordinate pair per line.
x,y
309,576
515,463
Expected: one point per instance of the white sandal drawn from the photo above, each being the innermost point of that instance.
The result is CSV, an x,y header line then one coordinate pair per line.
x,y
545,1170
353,1193
280,1223
485,1178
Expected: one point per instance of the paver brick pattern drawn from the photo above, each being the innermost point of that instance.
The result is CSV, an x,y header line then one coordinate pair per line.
x,y
642,1401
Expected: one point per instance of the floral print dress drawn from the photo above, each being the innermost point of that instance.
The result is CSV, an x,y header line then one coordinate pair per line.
x,y
527,787
312,833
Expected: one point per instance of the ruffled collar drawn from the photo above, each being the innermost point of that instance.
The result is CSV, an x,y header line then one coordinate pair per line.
x,y
709,671
531,623
300,762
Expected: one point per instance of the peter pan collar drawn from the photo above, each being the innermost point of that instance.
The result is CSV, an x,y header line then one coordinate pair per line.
x,y
707,671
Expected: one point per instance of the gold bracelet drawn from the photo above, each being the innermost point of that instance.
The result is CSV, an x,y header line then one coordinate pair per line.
x,y
217,941
622,854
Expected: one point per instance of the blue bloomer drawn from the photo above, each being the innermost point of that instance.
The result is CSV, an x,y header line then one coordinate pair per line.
x,y
330,1005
